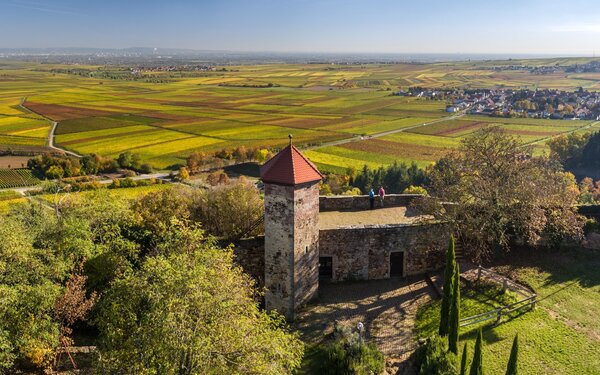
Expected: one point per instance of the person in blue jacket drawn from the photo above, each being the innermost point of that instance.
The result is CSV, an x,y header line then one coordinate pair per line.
x,y
372,198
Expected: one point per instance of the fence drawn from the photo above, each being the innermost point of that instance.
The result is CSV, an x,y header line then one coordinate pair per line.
x,y
529,300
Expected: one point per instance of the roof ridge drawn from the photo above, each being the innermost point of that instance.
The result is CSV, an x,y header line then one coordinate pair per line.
x,y
314,167
289,167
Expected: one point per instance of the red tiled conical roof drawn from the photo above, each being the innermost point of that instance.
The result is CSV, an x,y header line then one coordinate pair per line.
x,y
289,167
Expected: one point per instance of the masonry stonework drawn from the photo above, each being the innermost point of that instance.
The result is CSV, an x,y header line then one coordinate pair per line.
x,y
291,246
364,253
293,242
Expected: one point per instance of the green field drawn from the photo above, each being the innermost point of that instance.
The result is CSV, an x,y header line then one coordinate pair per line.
x,y
561,336
166,120
12,178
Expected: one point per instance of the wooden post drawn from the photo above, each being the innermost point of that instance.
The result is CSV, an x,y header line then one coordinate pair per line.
x,y
478,272
498,317
504,285
533,301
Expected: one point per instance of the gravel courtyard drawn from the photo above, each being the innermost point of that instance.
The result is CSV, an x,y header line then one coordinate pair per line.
x,y
387,308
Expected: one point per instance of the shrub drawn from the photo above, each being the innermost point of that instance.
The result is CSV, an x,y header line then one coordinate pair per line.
x,y
348,354
415,190
128,173
433,358
55,172
145,168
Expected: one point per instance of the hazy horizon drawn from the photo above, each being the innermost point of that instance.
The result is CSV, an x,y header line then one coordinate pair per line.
x,y
544,28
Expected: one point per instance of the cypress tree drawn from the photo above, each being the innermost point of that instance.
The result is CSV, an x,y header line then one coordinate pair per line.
x,y
477,364
463,361
454,313
449,273
514,354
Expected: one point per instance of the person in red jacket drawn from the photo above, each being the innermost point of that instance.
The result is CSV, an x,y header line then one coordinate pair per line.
x,y
381,195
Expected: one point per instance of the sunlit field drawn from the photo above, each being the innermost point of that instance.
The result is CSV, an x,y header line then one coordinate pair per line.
x,y
165,116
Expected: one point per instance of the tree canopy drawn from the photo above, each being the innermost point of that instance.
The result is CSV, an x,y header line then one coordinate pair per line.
x,y
494,192
165,297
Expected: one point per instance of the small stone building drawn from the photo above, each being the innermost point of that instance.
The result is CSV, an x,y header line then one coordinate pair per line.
x,y
310,239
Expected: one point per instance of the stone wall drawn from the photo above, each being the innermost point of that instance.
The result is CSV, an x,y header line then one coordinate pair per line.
x,y
364,253
306,243
250,255
361,202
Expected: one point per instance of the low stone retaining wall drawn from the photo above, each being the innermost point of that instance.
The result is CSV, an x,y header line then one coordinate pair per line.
x,y
361,202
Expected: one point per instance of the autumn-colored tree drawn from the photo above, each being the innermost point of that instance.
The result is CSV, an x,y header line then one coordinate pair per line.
x,y
232,210
565,147
195,161
240,154
496,193
73,305
217,178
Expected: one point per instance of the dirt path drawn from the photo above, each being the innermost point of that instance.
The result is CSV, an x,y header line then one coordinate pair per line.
x,y
387,308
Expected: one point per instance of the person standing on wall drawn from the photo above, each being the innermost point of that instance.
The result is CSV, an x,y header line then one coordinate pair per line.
x,y
372,198
381,195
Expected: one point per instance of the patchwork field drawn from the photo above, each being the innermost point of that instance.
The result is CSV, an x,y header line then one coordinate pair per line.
x,y
258,106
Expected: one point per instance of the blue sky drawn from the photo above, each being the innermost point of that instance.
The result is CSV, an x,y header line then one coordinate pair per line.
x,y
392,26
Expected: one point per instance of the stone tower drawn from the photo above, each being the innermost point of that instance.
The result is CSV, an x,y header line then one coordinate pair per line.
x,y
291,230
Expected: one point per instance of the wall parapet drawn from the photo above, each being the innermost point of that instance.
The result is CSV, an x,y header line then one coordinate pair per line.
x,y
361,202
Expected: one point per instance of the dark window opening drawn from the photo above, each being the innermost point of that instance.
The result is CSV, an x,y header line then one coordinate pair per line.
x,y
397,264
326,267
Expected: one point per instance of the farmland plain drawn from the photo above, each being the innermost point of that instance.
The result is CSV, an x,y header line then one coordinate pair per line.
x,y
165,116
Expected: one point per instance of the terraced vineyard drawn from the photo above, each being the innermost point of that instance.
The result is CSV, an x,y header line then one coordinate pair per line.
x,y
258,106
12,178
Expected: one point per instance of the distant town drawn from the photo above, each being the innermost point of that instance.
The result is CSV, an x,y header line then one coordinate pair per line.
x,y
545,104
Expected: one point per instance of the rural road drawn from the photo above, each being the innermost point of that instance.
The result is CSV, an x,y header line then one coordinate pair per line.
x,y
382,134
51,142
52,130
23,190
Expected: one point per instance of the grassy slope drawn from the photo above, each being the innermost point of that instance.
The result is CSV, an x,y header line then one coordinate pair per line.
x,y
562,336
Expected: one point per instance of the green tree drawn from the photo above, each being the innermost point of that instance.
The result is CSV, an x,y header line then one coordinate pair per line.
x,y
29,286
512,368
449,273
463,361
189,310
454,323
477,364
55,172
